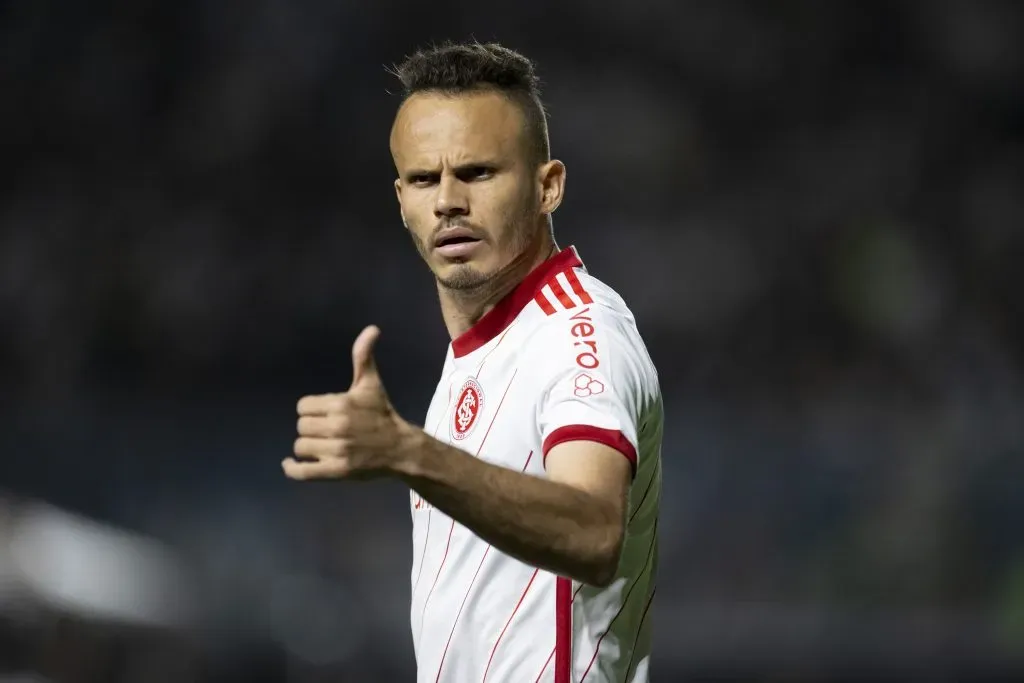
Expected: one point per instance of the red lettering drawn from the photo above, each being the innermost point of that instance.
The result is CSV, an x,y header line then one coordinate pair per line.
x,y
582,330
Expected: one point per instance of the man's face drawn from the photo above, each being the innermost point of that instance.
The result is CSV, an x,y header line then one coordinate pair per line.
x,y
467,188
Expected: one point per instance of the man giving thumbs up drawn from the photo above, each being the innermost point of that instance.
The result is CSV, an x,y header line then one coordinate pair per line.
x,y
536,480
355,434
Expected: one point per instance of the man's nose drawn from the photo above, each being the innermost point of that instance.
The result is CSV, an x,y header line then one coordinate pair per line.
x,y
452,199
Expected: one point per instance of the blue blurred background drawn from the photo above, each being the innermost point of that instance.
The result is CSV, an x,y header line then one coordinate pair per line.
x,y
815,210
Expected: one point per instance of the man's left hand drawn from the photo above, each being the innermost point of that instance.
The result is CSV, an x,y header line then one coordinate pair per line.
x,y
355,434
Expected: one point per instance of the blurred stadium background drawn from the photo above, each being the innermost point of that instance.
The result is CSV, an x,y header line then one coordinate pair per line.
x,y
816,210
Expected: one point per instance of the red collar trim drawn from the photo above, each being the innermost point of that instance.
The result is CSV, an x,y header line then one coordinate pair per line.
x,y
501,316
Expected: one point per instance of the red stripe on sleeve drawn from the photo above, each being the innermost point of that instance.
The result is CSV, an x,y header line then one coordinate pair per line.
x,y
544,304
556,289
577,286
609,437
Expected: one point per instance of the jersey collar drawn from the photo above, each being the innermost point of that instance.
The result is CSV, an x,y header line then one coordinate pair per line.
x,y
495,321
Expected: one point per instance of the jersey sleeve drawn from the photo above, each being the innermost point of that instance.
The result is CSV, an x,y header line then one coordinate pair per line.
x,y
590,371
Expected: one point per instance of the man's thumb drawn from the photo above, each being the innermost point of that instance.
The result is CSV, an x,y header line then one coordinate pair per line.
x,y
364,367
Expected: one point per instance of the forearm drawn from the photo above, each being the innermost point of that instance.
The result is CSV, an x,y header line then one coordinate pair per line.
x,y
543,523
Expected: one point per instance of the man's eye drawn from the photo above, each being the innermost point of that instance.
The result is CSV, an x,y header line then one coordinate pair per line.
x,y
477,173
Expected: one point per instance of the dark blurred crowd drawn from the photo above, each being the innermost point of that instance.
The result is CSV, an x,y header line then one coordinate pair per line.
x,y
815,210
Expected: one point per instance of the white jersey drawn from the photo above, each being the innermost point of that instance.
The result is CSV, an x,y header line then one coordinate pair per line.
x,y
559,359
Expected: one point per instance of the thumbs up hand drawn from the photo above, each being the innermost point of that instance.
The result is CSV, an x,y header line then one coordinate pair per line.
x,y
364,365
355,434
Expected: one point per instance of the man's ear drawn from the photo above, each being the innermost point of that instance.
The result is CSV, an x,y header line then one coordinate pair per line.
x,y
398,195
551,179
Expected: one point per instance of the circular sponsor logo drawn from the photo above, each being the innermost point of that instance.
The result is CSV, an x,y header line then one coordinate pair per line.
x,y
468,405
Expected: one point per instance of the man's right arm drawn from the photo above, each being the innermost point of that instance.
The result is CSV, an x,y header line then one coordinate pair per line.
x,y
571,524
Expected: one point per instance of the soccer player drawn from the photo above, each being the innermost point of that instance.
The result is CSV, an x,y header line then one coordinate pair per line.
x,y
536,479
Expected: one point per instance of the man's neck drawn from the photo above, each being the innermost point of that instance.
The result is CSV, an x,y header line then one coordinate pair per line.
x,y
462,309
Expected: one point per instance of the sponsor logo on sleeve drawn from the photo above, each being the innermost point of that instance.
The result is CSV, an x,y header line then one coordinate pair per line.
x,y
584,385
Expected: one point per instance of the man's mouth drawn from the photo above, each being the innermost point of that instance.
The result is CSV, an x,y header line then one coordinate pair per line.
x,y
456,243
456,240
453,236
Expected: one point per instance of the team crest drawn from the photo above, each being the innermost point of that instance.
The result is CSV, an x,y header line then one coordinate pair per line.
x,y
468,405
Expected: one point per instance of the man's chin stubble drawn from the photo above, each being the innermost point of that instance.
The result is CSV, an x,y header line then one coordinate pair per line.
x,y
465,280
